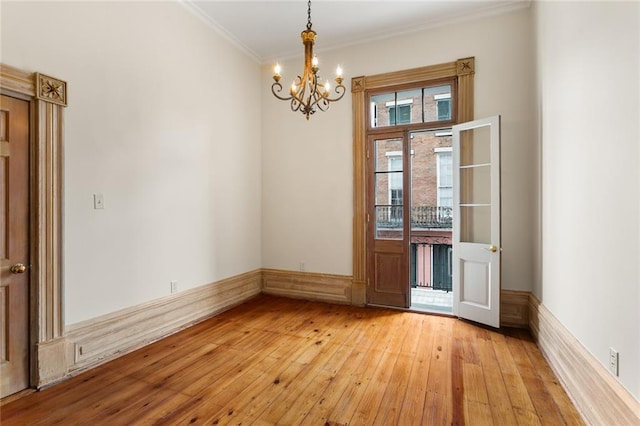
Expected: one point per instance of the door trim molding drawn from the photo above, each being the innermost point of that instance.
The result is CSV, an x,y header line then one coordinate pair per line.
x,y
463,70
47,97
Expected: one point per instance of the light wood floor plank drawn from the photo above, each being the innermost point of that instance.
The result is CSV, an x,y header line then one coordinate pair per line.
x,y
279,361
413,404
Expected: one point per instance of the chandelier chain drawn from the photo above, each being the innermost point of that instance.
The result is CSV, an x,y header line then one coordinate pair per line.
x,y
309,15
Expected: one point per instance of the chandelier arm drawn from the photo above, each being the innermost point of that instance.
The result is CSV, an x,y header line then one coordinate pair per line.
x,y
301,90
323,104
279,89
340,91
323,100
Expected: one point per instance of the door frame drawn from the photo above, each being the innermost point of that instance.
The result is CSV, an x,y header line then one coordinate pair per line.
x,y
47,97
463,70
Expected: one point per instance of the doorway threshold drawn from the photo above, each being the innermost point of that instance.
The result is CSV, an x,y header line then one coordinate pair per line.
x,y
429,300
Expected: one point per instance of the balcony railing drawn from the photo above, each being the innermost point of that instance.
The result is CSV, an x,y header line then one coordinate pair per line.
x,y
421,217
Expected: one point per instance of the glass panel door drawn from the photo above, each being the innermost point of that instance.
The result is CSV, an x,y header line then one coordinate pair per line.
x,y
476,230
388,225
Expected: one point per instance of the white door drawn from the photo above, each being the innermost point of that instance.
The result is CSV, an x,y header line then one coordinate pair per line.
x,y
476,221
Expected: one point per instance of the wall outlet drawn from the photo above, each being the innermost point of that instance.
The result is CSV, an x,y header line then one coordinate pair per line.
x,y
614,361
303,266
174,287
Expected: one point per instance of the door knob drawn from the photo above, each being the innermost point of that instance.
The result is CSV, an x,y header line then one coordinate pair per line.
x,y
492,249
18,268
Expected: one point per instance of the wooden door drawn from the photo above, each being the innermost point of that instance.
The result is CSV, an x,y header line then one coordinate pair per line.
x,y
14,245
388,221
476,221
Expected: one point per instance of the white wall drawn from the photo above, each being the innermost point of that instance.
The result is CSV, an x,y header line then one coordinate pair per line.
x,y
589,96
154,124
308,166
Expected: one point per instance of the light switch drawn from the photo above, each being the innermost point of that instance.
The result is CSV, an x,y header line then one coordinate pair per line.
x,y
98,201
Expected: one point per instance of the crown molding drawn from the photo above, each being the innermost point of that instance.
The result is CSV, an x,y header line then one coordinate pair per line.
x,y
191,7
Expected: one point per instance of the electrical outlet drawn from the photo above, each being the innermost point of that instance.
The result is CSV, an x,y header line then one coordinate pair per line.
x,y
303,266
614,361
174,287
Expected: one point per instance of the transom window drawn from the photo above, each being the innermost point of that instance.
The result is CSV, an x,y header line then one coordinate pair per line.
x,y
427,104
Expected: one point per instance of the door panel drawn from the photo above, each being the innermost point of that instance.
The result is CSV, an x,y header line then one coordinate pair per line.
x,y
476,230
14,245
389,250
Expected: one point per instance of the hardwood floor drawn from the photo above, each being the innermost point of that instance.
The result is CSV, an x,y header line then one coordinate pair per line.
x,y
290,362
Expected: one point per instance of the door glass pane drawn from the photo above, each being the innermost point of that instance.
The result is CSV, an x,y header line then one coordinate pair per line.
x,y
475,146
475,224
385,151
475,185
388,188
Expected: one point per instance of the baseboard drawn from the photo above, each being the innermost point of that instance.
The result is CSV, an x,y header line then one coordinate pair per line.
x,y
514,308
597,395
98,340
307,285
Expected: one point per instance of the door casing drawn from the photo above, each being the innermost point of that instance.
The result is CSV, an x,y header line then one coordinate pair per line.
x,y
47,97
463,70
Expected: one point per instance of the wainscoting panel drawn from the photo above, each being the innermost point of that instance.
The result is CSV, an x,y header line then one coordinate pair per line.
x,y
100,339
307,285
597,395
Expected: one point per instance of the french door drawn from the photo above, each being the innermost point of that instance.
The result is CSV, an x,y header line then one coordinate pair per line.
x,y
476,221
474,216
388,220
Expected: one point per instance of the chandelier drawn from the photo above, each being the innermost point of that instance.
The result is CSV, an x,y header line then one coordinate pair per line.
x,y
306,94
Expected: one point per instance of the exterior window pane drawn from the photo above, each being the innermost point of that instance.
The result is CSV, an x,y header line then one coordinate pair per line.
x,y
437,103
379,111
444,109
445,179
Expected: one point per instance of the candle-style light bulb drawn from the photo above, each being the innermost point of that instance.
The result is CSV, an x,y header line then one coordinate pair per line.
x,y
314,61
327,86
338,71
276,69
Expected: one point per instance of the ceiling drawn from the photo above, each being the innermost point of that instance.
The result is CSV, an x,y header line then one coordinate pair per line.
x,y
269,30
